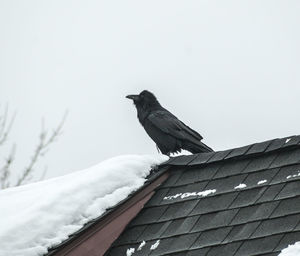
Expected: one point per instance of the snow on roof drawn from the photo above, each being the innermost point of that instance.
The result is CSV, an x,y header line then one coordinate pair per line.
x,y
40,215
291,250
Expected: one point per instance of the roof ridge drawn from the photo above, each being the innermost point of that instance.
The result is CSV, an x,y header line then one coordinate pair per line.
x,y
239,152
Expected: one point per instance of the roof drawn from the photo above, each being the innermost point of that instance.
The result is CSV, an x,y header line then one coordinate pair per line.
x,y
243,201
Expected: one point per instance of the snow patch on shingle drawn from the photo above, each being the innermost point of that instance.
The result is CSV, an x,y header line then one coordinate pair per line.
x,y
141,246
154,246
261,182
189,194
294,175
207,192
130,251
291,250
240,186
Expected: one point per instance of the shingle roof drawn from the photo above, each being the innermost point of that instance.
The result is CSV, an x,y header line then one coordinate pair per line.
x,y
260,218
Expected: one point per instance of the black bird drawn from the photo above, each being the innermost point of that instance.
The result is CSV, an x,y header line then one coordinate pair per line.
x,y
166,130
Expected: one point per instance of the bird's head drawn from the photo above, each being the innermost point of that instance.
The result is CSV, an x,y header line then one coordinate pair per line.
x,y
144,100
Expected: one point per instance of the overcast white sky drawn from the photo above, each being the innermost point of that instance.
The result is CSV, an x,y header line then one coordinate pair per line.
x,y
228,69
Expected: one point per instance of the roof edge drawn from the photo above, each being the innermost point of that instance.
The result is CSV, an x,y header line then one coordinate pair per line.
x,y
154,179
240,152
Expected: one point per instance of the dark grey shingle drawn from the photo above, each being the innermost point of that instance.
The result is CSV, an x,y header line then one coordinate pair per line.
x,y
198,252
247,197
228,249
276,144
149,215
288,238
158,197
211,237
287,207
254,212
163,247
226,184
202,158
180,226
131,235
178,210
153,231
214,203
232,167
286,173
183,242
276,226
258,246
290,189
174,176
270,193
214,220
259,147
261,162
266,176
190,176
220,155
241,232
293,141
238,151
286,158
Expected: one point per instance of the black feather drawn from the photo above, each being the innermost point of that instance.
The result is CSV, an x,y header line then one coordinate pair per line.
x,y
166,130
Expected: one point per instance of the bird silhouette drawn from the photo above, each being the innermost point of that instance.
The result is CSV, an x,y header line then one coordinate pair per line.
x,y
169,133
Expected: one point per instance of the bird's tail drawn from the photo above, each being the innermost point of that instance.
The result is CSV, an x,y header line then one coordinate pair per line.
x,y
198,148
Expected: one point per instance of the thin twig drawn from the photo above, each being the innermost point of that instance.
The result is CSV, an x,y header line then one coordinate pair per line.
x,y
41,149
5,170
4,127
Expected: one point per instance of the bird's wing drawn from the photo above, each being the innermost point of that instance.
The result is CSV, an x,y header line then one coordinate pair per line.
x,y
170,124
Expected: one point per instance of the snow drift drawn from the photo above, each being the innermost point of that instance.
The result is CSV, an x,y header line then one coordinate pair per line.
x,y
37,216
291,250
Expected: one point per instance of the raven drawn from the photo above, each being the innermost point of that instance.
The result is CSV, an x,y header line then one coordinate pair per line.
x,y
166,130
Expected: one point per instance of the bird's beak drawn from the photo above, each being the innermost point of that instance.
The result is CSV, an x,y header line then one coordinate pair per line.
x,y
133,97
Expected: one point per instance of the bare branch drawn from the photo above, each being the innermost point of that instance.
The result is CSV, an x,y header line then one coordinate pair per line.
x,y
56,132
5,125
41,149
5,170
